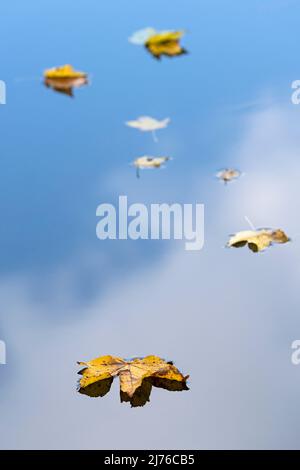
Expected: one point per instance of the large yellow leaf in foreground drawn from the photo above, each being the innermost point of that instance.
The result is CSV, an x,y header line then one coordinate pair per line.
x,y
258,240
137,376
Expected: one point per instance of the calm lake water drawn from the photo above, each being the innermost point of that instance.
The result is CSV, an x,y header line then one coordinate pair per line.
x,y
226,317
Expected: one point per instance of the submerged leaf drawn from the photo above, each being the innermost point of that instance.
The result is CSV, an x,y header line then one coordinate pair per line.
x,y
137,376
258,240
64,78
147,123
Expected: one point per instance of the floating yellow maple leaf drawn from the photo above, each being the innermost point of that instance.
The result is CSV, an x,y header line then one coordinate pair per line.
x,y
149,162
64,78
137,376
228,174
159,43
165,43
258,240
64,71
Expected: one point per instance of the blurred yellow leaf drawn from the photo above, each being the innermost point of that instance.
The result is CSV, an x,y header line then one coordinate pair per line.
x,y
137,376
165,43
64,71
159,43
64,78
